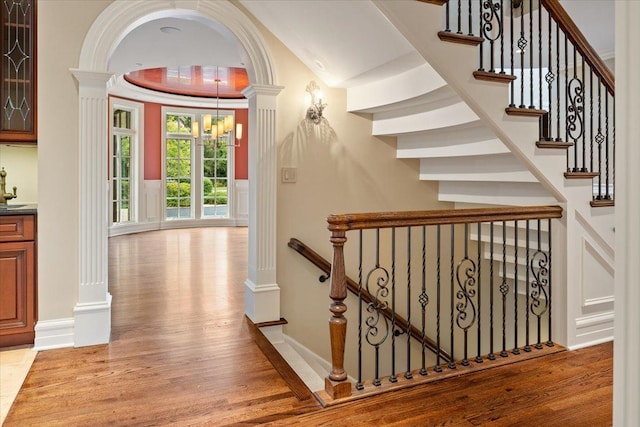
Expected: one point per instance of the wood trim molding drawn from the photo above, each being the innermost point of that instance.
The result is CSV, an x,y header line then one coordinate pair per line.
x,y
361,221
560,15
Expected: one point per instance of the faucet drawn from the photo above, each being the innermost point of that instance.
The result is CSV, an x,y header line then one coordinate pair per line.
x,y
4,196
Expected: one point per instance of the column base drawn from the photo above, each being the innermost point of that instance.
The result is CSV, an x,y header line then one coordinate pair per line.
x,y
261,302
92,323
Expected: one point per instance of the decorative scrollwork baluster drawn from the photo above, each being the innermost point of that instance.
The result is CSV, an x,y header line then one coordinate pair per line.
x,y
491,27
539,294
378,329
466,271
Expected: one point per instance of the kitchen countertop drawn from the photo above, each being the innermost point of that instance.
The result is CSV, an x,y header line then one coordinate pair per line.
x,y
18,209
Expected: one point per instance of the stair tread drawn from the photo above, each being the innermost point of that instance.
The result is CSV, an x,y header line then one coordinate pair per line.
x,y
601,203
554,144
491,76
524,111
580,175
451,37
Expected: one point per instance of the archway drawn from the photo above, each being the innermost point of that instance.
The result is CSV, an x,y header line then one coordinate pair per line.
x,y
262,294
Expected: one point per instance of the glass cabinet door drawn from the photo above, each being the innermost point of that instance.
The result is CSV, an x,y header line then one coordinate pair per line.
x,y
18,65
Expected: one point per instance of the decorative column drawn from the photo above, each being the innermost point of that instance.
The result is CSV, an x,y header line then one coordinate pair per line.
x,y
626,370
262,293
92,313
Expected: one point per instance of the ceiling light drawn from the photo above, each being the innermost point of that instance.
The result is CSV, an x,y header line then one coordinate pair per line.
x,y
170,30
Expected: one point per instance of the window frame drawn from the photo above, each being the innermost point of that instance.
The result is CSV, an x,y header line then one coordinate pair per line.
x,y
136,155
197,170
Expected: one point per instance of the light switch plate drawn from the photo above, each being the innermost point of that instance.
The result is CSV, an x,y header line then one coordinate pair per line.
x,y
289,175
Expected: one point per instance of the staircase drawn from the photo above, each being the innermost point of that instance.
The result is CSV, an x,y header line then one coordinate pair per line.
x,y
456,125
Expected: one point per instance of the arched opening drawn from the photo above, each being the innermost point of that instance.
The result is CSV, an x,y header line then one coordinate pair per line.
x,y
262,299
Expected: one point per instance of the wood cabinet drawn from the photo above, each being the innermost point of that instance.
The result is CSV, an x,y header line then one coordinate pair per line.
x,y
17,280
18,71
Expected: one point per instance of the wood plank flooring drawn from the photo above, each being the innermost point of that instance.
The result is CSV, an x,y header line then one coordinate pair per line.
x,y
182,354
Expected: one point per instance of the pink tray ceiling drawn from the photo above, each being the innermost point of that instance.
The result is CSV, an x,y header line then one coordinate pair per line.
x,y
193,80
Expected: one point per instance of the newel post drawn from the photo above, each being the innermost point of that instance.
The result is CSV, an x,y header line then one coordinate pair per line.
x,y
336,384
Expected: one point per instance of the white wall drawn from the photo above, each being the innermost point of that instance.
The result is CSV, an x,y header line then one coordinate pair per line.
x,y
21,164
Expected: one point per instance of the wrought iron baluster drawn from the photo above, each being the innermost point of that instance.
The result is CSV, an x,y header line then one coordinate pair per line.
x,y
511,41
359,384
452,364
566,91
607,196
491,355
522,45
501,36
539,54
599,139
470,24
591,118
531,100
408,375
550,323
491,20
424,299
516,350
575,111
459,17
549,78
481,46
540,302
558,105
438,368
375,321
447,14
504,290
392,376
584,144
479,354
527,346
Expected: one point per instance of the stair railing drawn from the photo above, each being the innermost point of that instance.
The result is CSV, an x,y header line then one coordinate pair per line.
x,y
483,302
553,73
353,287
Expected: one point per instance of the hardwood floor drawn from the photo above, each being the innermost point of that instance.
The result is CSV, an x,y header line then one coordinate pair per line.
x,y
182,354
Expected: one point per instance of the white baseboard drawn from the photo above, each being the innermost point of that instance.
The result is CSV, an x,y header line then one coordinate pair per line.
x,y
50,334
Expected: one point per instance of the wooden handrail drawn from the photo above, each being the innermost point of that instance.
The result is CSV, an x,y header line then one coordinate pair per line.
x,y
361,221
560,15
352,286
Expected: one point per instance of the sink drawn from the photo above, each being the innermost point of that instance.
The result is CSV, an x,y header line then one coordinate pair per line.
x,y
12,206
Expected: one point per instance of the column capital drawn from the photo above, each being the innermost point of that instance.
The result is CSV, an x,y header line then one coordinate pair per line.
x,y
98,79
257,89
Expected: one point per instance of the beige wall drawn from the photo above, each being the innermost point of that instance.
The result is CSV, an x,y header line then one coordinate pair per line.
x,y
355,172
21,164
62,26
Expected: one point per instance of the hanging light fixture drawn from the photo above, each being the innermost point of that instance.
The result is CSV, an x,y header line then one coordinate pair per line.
x,y
224,126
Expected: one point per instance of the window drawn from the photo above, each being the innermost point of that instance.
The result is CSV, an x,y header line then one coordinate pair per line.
x,y
123,136
179,144
197,164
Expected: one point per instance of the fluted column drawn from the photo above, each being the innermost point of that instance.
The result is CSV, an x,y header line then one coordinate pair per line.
x,y
262,293
626,371
92,313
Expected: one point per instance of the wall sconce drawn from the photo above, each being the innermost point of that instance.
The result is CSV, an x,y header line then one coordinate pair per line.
x,y
314,112
238,131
